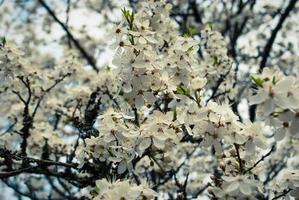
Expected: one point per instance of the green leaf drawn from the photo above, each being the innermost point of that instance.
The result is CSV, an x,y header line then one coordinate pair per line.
x,y
216,61
259,82
129,17
2,41
210,25
108,68
94,192
197,98
274,80
191,31
187,93
182,91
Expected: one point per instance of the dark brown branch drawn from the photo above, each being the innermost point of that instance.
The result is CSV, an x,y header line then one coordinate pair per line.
x,y
262,159
240,161
10,127
196,13
268,47
182,195
47,91
201,190
4,175
88,58
271,40
70,177
19,95
55,188
67,12
111,97
73,153
27,119
65,187
6,153
136,116
274,171
218,84
285,192
168,176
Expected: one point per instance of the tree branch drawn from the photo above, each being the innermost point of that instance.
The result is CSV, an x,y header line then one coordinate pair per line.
x,y
285,192
261,159
271,40
88,58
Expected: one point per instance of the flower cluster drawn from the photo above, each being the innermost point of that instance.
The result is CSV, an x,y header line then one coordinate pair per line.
x,y
11,63
122,190
120,140
160,120
216,64
277,97
238,187
153,60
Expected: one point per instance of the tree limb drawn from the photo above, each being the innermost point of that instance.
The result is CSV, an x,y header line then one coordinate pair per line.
x,y
88,58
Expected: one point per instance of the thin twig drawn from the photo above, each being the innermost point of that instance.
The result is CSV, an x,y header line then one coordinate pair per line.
x,y
262,159
88,58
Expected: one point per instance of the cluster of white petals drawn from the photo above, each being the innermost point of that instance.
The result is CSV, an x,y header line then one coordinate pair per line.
x,y
152,58
278,98
148,121
122,190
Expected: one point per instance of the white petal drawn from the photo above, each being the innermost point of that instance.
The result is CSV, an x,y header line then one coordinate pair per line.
x,y
142,40
146,23
127,88
293,102
140,64
229,178
239,139
217,147
280,134
281,101
189,131
249,147
268,107
284,85
102,184
260,143
258,98
150,98
294,129
139,101
160,144
145,143
151,39
233,186
245,188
